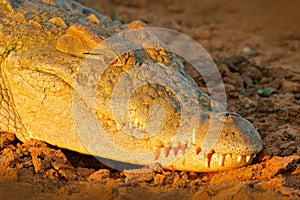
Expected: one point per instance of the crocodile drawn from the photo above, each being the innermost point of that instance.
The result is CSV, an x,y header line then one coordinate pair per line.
x,y
45,45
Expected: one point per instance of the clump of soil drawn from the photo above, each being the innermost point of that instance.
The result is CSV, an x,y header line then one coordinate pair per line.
x,y
256,48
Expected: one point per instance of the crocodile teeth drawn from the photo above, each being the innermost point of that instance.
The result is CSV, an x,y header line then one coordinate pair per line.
x,y
109,122
100,116
142,126
221,160
248,158
198,149
157,154
167,151
119,126
136,122
193,136
207,159
229,155
183,148
239,159
130,125
176,149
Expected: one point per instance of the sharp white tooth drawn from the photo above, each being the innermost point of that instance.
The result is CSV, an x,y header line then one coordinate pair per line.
x,y
100,116
109,122
193,136
119,126
167,151
254,155
239,159
248,158
136,122
198,149
175,149
157,154
229,155
143,126
206,161
183,147
130,125
221,160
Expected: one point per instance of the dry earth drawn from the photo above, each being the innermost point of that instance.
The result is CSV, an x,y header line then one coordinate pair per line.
x,y
256,45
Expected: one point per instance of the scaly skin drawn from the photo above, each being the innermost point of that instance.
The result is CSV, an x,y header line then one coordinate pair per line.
x,y
43,49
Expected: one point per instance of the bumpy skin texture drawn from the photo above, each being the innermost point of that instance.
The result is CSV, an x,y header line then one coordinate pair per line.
x,y
43,49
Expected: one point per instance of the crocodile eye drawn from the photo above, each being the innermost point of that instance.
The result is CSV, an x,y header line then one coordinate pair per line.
x,y
227,114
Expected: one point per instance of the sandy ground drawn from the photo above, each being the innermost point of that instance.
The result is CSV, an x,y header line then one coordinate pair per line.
x,y
268,32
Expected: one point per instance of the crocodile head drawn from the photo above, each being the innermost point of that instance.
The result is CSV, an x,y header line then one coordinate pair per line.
x,y
153,84
149,108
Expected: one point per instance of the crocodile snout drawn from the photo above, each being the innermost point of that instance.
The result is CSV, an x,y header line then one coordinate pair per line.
x,y
238,135
234,143
238,142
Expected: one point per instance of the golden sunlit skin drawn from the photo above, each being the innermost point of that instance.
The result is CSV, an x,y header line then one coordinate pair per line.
x,y
43,51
